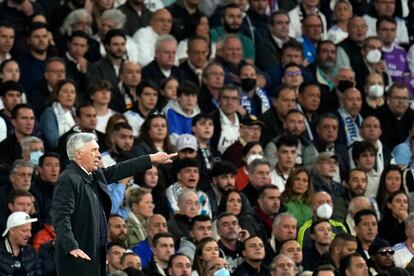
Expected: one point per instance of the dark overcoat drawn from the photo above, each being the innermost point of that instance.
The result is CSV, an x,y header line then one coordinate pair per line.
x,y
76,213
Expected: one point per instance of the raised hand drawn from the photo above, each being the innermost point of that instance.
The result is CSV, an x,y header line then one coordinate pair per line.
x,y
162,157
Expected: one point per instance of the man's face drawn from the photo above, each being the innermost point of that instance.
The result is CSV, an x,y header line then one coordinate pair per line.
x,y
398,101
164,249
357,29
162,22
371,129
326,57
21,178
387,31
284,266
367,229
310,99
132,261
384,257
280,26
385,7
181,266
21,234
285,230
328,130
156,224
214,77
228,228
189,177
50,170
366,161
233,51
117,229
291,55
250,133
190,205
54,72
254,249
116,47
197,53
131,74
123,139
200,230
322,234
113,256
285,102
372,44
259,6
11,99
348,248
293,250
286,156
78,47
327,168
101,97
260,176
203,129
87,120
39,40
165,54
319,199
21,204
225,182
357,183
352,102
233,19
6,39
148,98
312,28
89,156
358,267
229,102
105,26
24,122
295,124
270,203
292,77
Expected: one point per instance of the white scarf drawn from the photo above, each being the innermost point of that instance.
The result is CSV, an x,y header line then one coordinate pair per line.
x,y
64,118
350,126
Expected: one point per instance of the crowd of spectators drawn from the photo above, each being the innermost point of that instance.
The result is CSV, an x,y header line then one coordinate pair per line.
x,y
293,122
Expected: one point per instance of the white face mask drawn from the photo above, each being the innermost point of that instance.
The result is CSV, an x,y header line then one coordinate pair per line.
x,y
376,91
324,211
374,56
253,157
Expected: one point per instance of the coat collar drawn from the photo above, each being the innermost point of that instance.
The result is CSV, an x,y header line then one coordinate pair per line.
x,y
87,177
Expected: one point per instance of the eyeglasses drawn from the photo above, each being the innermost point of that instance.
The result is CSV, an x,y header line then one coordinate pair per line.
x,y
385,252
294,73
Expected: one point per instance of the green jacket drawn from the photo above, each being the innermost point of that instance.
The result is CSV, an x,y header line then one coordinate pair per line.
x,y
219,33
299,209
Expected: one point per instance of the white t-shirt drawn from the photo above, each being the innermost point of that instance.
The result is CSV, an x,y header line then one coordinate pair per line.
x,y
229,132
402,255
103,121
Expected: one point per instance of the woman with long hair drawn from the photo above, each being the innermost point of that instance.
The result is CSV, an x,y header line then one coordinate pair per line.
x,y
298,193
390,181
206,250
251,151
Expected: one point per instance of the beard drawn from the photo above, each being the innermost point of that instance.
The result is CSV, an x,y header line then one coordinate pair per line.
x,y
229,29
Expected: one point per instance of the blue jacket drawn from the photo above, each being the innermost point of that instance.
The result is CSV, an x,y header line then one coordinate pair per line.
x,y
50,128
144,251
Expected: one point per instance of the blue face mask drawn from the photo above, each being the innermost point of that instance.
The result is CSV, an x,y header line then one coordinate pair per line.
x,y
222,272
34,157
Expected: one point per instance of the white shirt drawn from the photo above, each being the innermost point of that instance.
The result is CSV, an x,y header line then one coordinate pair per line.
x,y
229,132
130,46
107,159
336,34
278,180
135,120
103,121
402,255
145,39
402,32
296,16
3,129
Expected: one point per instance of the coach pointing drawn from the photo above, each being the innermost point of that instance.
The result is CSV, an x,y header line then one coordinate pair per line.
x,y
81,205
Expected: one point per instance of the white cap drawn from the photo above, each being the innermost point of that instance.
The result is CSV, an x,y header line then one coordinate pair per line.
x,y
17,219
187,141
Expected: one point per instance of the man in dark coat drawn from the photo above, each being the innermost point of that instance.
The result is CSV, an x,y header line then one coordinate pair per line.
x,y
81,205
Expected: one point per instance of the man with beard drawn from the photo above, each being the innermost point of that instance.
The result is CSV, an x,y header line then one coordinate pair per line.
x,y
108,67
117,229
44,184
122,140
230,235
254,254
232,21
32,65
137,15
342,245
179,265
381,256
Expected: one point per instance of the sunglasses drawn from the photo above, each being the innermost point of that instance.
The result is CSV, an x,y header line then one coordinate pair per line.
x,y
385,252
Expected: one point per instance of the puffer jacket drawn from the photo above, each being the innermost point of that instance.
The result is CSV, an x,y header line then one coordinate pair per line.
x,y
28,255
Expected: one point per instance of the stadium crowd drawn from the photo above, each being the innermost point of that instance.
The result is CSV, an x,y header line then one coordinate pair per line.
x,y
293,122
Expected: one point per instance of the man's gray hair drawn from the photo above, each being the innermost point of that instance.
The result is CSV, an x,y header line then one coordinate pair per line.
x,y
74,17
116,15
281,255
353,206
183,196
409,221
77,141
229,37
20,163
278,219
255,163
26,142
118,273
164,38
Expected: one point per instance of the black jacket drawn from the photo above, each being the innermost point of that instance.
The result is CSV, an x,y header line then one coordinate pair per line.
x,y
76,211
28,258
153,72
247,270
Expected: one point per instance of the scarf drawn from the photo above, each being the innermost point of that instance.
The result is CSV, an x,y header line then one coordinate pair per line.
x,y
266,219
350,126
64,118
247,104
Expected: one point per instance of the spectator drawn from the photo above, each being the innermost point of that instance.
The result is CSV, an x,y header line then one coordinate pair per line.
x,y
324,170
6,44
162,66
163,247
374,89
137,16
117,229
312,34
179,265
300,12
114,252
309,100
253,253
283,265
11,95
207,250
180,11
342,13
213,81
130,75
366,228
403,254
283,228
259,175
200,229
15,248
251,151
341,246
122,141
353,264
381,255
130,260
390,182
100,92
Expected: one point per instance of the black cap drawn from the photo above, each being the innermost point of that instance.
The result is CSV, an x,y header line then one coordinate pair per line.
x,y
10,86
376,245
251,120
